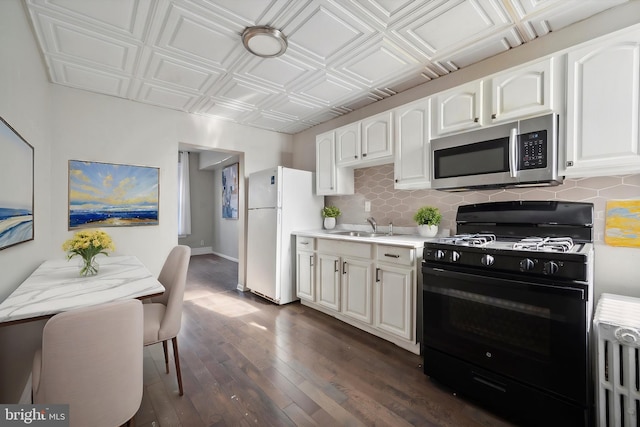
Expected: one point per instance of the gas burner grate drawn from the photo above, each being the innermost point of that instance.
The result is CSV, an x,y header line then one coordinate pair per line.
x,y
545,244
470,239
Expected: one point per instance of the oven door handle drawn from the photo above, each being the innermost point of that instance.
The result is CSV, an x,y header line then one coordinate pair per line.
x,y
565,290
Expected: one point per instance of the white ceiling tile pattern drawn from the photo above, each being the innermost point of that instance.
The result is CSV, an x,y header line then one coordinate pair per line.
x,y
187,55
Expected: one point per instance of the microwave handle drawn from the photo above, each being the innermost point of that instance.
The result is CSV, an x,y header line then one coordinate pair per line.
x,y
513,153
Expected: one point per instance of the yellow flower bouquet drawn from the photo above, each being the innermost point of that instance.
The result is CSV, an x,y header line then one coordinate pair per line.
x,y
87,244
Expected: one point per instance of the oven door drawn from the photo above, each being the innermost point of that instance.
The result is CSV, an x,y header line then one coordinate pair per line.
x,y
534,332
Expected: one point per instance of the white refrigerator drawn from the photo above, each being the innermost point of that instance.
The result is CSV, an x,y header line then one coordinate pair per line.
x,y
281,200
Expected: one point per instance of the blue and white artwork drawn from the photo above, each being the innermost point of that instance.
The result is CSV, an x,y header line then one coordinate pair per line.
x,y
16,187
112,195
230,192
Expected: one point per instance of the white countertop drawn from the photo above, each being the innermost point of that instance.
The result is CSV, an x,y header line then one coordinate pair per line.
x,y
56,286
412,240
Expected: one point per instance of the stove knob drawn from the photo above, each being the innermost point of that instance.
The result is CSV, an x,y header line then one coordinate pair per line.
x,y
439,254
550,267
487,260
455,256
526,264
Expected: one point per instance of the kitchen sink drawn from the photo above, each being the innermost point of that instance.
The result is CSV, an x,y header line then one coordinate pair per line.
x,y
359,234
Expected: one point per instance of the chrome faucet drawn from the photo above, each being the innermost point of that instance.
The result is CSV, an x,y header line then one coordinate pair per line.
x,y
373,223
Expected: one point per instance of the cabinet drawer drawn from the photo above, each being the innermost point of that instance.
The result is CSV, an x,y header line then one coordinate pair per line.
x,y
343,248
396,255
304,242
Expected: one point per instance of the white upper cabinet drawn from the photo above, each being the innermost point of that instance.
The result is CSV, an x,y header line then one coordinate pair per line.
x,y
329,178
367,142
412,130
459,109
348,145
525,91
377,137
603,96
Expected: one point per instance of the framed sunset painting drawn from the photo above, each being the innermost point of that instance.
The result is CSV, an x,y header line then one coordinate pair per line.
x,y
112,195
16,187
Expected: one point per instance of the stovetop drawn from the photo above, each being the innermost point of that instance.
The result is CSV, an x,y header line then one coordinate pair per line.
x,y
552,239
551,257
532,244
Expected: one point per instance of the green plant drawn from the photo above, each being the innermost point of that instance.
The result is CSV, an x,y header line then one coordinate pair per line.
x,y
428,215
330,212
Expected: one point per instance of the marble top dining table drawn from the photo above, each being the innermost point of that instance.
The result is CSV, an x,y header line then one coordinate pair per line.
x,y
56,286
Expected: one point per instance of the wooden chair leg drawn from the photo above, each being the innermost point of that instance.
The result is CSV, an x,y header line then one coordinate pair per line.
x,y
177,358
166,355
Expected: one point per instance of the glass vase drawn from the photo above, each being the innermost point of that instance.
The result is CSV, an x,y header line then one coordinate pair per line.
x,y
89,267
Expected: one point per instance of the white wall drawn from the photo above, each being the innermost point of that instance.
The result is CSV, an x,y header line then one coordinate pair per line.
x,y
25,104
66,124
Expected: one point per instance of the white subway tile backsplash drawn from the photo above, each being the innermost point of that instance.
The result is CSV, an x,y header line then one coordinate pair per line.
x,y
398,206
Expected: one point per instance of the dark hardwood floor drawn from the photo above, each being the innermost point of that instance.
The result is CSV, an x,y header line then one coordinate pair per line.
x,y
246,361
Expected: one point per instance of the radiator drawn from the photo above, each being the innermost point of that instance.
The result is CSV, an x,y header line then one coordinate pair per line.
x,y
617,331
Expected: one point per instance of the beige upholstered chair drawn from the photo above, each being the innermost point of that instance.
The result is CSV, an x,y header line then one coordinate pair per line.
x,y
91,359
163,316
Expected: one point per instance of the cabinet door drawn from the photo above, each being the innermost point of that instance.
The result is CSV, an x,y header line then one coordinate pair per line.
x,y
522,92
305,275
328,281
603,96
348,146
356,289
412,130
459,109
377,137
394,301
325,164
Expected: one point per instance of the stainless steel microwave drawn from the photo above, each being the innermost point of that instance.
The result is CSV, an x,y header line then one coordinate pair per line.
x,y
518,154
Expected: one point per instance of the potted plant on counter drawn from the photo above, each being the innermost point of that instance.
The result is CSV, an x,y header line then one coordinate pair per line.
x,y
329,213
428,218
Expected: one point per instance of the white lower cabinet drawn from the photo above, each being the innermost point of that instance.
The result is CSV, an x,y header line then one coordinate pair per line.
x,y
328,281
394,300
396,290
305,275
305,268
356,289
368,285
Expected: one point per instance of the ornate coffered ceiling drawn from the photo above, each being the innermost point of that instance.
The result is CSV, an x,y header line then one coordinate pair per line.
x,y
187,55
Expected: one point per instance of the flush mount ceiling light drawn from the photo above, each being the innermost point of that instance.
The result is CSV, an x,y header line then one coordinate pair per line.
x,y
264,41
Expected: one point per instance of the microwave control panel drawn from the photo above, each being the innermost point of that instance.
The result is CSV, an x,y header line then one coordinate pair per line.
x,y
533,150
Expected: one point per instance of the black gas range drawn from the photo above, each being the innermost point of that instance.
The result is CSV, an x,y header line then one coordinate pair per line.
x,y
507,308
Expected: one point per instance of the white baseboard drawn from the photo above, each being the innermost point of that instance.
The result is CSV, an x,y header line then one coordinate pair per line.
x,y
225,256
202,251
242,288
206,250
